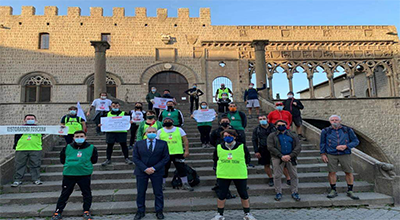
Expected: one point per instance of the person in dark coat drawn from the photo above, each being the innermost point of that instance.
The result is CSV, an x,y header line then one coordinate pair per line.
x,y
294,106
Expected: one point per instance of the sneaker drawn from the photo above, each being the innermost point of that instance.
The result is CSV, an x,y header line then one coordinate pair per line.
x,y
130,147
208,145
352,195
296,197
203,145
278,197
127,161
16,184
187,187
218,217
87,216
160,215
56,216
289,182
250,117
332,194
38,182
249,216
301,137
105,163
163,186
271,182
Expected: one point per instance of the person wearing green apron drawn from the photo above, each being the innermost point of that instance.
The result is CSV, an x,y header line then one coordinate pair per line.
x,y
238,121
230,163
78,158
149,122
172,112
73,122
177,140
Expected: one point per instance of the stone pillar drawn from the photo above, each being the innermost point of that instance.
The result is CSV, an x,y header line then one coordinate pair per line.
x,y
311,87
100,66
271,94
261,70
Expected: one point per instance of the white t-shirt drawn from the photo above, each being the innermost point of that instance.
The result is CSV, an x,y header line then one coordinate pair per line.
x,y
102,104
137,116
183,133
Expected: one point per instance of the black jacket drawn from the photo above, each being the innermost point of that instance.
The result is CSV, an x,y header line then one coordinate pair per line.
x,y
293,109
93,159
260,136
246,153
215,137
197,93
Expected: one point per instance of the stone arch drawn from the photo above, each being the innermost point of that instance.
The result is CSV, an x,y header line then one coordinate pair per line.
x,y
118,80
36,90
113,80
22,80
187,72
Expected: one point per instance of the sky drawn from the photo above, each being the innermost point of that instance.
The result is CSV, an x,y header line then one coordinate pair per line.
x,y
249,12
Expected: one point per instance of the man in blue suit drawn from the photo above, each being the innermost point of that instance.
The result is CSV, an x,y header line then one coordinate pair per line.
x,y
150,157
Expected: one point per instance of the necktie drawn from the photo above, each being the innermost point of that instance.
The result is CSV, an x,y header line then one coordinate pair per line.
x,y
151,146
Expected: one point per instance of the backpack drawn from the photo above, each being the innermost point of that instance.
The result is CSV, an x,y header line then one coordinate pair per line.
x,y
79,119
217,191
192,176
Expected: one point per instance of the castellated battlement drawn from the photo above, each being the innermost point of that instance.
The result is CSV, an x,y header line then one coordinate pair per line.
x,y
95,12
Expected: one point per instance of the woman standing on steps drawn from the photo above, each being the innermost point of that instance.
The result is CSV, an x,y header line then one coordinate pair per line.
x,y
204,127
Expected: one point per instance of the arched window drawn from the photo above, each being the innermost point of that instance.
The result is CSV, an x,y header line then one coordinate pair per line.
x,y
37,89
110,84
216,84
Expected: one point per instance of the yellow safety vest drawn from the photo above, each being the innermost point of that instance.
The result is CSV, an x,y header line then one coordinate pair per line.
x,y
231,163
174,141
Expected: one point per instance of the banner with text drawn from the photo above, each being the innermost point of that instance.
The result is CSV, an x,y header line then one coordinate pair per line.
x,y
38,129
204,115
161,103
118,123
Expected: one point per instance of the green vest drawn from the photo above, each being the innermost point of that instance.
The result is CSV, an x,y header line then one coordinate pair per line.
x,y
73,124
220,91
29,142
231,164
174,115
145,128
208,123
236,121
111,115
78,161
174,141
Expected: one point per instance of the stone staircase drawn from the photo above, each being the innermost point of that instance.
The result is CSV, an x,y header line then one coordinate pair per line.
x,y
114,187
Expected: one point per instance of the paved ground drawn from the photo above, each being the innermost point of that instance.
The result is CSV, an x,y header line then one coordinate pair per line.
x,y
375,213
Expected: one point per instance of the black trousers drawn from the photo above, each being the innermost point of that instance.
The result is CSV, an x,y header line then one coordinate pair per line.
x,y
134,128
110,149
242,136
204,134
180,166
241,186
96,120
68,185
69,138
194,100
223,107
157,110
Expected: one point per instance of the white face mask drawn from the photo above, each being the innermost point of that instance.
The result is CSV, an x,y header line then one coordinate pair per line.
x,y
290,96
103,97
250,87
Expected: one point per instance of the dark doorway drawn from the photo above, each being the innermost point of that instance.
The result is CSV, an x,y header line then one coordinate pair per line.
x,y
175,82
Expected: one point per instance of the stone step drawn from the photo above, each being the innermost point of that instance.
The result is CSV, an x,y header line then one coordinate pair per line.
x,y
201,155
190,161
117,195
110,181
196,204
202,171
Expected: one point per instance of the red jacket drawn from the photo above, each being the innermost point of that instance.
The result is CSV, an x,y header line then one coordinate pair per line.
x,y
280,115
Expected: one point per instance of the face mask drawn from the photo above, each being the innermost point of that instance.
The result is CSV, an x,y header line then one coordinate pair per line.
x,y
72,112
281,127
250,87
151,135
167,124
153,90
225,124
280,108
103,97
170,107
203,106
224,97
290,96
263,122
228,139
150,116
79,140
232,109
194,87
222,86
30,122
138,107
115,109
335,125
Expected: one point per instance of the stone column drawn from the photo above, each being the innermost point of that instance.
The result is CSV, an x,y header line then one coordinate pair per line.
x,y
100,66
311,87
261,70
271,94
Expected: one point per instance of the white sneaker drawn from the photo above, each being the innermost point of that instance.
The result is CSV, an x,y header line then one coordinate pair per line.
x,y
249,216
16,184
38,182
218,217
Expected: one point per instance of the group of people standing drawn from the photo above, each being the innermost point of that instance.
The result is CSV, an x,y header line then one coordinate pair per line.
x,y
158,139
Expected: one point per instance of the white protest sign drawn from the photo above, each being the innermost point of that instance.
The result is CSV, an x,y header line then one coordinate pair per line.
x,y
37,129
117,123
204,115
161,103
137,116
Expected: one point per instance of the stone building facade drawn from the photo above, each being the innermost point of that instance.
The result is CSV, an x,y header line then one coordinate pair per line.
x,y
47,61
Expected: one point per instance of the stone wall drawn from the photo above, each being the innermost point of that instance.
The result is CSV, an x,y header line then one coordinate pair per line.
x,y
377,118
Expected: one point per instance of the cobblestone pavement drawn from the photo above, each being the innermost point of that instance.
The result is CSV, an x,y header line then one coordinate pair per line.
x,y
375,213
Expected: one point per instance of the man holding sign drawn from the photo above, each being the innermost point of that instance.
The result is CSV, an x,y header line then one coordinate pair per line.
x,y
28,150
115,135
